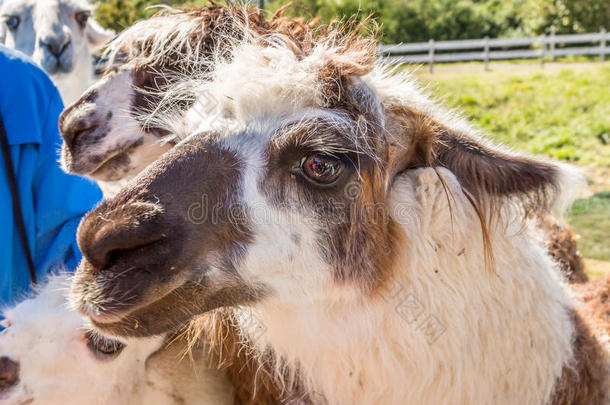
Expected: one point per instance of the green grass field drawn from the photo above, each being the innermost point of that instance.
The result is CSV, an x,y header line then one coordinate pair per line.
x,y
562,111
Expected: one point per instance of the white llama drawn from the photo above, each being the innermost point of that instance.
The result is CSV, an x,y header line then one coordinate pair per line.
x,y
360,243
49,356
59,35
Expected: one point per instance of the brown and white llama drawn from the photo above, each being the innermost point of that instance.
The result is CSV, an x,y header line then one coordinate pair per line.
x,y
105,135
380,244
107,139
49,355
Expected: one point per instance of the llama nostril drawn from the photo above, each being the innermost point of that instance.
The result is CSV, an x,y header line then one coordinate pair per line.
x,y
9,373
56,46
137,227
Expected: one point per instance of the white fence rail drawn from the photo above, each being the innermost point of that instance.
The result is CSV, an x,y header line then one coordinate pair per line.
x,y
542,47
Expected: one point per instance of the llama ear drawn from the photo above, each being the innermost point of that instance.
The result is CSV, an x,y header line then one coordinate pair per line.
x,y
481,168
97,36
485,169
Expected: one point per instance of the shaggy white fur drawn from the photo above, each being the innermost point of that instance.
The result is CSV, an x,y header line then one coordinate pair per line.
x,y
60,362
446,331
59,36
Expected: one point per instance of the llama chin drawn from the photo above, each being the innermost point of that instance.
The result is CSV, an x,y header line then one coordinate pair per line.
x,y
49,355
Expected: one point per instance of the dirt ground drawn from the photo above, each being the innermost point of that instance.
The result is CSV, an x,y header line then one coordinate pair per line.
x,y
600,176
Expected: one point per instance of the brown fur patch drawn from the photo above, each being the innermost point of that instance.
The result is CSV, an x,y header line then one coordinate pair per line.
x,y
355,233
251,373
488,174
584,381
596,297
562,246
355,57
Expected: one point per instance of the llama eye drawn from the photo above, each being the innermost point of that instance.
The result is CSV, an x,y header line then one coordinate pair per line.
x,y
322,169
13,22
82,17
103,347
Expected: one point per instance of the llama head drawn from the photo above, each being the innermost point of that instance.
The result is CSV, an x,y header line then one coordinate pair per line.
x,y
48,355
108,134
283,196
102,137
59,35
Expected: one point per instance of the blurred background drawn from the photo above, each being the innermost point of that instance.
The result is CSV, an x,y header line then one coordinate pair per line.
x,y
531,73
416,20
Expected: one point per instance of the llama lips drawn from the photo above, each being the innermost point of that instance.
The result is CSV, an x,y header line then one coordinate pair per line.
x,y
113,168
109,310
114,293
114,164
155,318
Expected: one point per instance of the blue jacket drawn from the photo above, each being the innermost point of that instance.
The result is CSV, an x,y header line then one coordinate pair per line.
x,y
53,202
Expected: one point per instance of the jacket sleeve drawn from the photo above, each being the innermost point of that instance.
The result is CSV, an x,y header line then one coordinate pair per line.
x,y
60,200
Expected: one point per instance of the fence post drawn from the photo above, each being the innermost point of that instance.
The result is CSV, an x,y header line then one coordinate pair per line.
x,y
431,55
602,45
542,49
486,50
552,43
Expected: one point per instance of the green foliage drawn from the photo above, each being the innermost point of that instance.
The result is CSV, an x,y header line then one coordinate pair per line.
x,y
590,218
418,20
568,16
119,14
588,15
414,20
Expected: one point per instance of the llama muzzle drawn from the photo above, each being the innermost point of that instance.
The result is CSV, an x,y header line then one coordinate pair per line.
x,y
155,243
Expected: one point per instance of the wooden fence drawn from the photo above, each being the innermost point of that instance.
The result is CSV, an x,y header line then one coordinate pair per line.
x,y
544,47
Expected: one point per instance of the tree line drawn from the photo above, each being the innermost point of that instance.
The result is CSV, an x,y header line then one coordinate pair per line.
x,y
414,20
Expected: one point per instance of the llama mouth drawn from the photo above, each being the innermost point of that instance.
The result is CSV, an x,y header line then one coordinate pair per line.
x,y
116,156
109,314
166,314
114,166
114,162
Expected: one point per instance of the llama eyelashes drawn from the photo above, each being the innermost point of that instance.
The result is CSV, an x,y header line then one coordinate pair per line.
x,y
102,347
320,170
